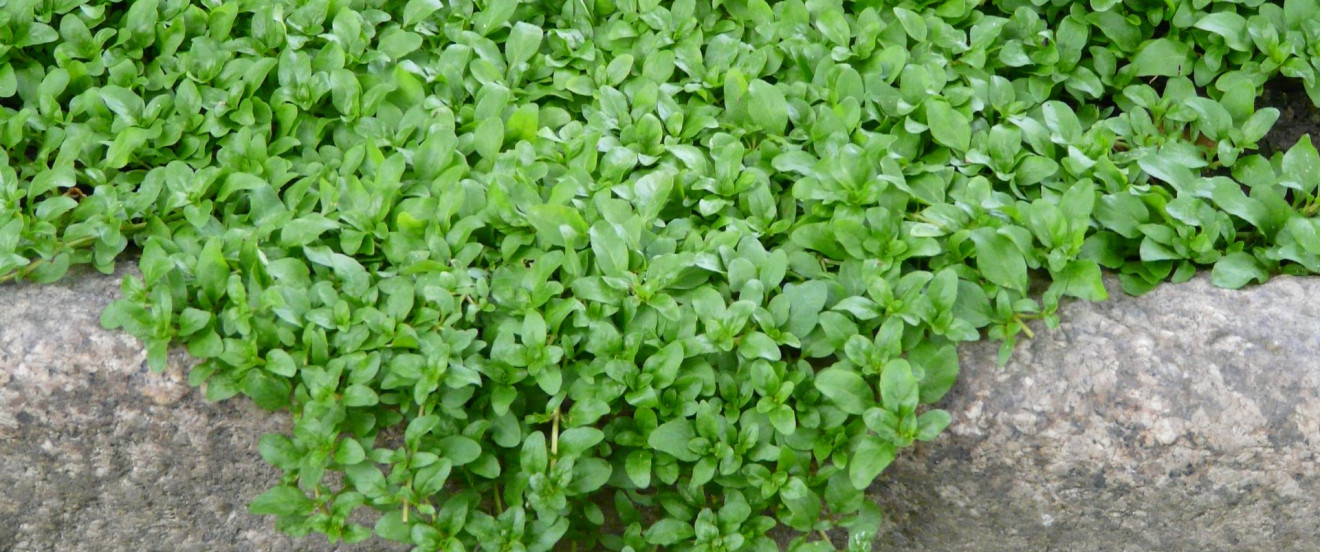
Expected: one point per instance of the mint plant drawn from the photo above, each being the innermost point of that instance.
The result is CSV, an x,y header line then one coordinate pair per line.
x,y
630,274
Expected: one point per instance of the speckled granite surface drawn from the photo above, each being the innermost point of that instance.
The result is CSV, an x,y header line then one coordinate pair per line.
x,y
99,454
1187,419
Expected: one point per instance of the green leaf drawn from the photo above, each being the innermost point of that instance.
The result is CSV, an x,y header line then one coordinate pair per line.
x,y
279,451
938,366
1259,124
846,389
52,208
559,225
834,26
673,438
367,479
805,303
416,11
154,262
305,230
266,390
1061,120
668,531
349,452
496,14
282,501
619,69
1000,260
665,363
1228,195
459,449
158,353
489,137
391,526
912,23
575,441
948,126
124,145
206,344
758,345
1298,12
610,249
523,123
192,320
1162,57
1228,25
49,271
769,105
38,34
239,182
352,275
535,457
123,102
8,82
1081,279
589,474
651,193
1306,231
638,467
783,419
1235,270
280,363
212,271
868,461
360,395
397,44
1301,166
533,328
931,423
898,387
524,40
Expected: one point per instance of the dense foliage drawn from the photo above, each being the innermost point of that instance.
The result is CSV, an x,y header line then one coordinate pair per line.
x,y
629,274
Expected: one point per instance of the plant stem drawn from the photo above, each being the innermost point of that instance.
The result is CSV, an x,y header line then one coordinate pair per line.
x,y
1026,330
65,247
554,438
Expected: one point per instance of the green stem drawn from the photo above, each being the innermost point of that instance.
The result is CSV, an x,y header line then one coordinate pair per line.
x,y
1311,207
1022,324
32,266
66,247
554,439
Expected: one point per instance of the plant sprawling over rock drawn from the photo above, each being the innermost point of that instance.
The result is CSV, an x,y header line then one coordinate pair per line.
x,y
630,274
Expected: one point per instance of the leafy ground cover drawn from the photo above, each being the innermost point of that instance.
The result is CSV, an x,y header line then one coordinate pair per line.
x,y
631,274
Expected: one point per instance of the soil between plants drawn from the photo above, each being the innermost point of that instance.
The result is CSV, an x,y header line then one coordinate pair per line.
x,y
1298,115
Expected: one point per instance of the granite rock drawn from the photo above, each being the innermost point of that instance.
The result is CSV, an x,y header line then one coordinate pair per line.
x,y
1186,419
97,453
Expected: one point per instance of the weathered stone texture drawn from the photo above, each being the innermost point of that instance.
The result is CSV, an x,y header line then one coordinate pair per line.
x,y
1187,419
99,454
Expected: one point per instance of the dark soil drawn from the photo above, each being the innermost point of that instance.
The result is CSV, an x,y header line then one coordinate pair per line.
x,y
1298,116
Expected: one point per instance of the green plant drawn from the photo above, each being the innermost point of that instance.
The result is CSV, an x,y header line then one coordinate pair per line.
x,y
683,270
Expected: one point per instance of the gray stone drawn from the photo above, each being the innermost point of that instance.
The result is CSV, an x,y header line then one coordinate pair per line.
x,y
98,453
1187,419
